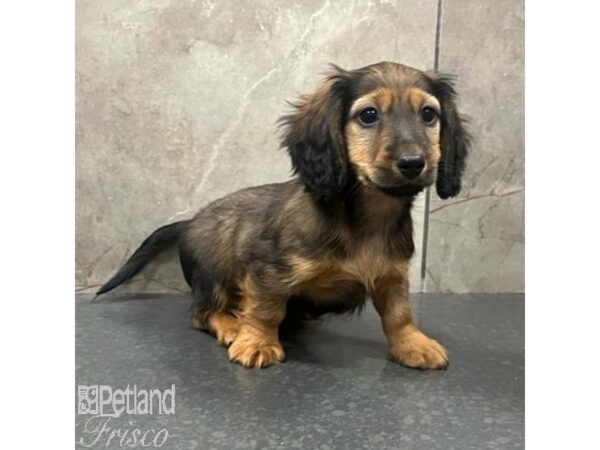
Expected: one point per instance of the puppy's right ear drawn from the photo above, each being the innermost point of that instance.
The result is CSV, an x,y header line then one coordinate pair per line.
x,y
314,138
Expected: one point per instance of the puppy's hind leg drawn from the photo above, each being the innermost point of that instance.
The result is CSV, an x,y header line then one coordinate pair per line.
x,y
257,341
224,326
213,318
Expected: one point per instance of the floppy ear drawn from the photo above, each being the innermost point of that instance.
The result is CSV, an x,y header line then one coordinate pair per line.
x,y
314,138
454,138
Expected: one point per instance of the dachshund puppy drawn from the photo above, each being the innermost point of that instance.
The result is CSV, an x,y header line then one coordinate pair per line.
x,y
362,146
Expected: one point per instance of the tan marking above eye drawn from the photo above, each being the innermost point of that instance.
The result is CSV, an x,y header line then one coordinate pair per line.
x,y
380,99
418,99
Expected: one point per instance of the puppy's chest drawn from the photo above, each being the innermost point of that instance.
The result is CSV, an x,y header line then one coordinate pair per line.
x,y
368,263
362,268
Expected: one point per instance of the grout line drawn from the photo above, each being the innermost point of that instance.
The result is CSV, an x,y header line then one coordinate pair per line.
x,y
438,36
425,242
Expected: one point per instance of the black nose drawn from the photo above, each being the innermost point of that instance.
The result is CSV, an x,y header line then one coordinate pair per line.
x,y
411,166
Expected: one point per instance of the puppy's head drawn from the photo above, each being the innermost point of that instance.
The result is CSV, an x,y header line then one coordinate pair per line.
x,y
385,126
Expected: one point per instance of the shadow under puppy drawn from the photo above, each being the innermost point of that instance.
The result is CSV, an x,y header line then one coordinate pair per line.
x,y
362,146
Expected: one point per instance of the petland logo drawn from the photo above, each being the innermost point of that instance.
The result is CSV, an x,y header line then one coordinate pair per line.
x,y
104,405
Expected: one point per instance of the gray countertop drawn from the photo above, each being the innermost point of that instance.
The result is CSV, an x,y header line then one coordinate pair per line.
x,y
337,389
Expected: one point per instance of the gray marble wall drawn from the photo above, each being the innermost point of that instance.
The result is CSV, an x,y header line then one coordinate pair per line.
x,y
177,103
477,240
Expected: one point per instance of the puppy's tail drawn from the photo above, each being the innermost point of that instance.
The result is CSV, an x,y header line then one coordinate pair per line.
x,y
154,244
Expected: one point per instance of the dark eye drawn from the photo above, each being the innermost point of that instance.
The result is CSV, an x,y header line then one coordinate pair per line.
x,y
428,115
368,116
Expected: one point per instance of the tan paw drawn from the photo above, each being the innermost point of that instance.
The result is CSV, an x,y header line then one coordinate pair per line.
x,y
226,337
225,327
251,351
419,351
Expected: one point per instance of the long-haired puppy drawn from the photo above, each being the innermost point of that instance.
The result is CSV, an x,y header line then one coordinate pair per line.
x,y
362,146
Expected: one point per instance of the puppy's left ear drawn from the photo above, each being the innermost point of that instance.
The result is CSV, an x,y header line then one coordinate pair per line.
x,y
314,138
454,138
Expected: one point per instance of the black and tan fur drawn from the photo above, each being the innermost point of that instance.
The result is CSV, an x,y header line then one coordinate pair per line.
x,y
340,231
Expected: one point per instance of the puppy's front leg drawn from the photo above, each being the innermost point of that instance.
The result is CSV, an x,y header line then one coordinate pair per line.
x,y
257,342
408,345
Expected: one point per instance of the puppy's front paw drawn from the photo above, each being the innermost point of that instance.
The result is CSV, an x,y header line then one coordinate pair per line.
x,y
252,351
419,351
